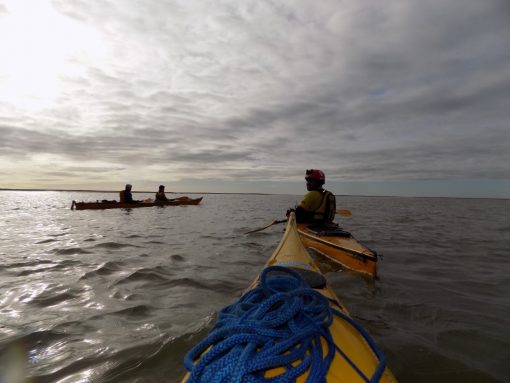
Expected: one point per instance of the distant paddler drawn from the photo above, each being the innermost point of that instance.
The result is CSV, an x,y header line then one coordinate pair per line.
x,y
126,196
160,195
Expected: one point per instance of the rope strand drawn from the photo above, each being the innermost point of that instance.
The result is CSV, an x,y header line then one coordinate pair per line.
x,y
279,323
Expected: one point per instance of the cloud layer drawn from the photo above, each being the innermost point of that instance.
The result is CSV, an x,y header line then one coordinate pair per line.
x,y
256,90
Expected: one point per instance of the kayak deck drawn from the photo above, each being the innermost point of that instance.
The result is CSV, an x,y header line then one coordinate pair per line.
x,y
123,205
341,247
358,360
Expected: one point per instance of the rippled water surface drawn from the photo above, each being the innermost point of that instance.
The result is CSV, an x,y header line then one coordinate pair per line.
x,y
121,295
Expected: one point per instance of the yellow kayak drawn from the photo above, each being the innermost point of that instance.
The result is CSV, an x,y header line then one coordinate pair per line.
x,y
289,326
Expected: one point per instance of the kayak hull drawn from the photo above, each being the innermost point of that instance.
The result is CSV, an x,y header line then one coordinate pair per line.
x,y
291,253
343,249
123,205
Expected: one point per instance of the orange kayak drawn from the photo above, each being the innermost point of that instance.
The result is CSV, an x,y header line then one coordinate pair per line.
x,y
339,246
122,205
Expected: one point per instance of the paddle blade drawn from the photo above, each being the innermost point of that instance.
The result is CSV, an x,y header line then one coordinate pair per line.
x,y
265,227
344,212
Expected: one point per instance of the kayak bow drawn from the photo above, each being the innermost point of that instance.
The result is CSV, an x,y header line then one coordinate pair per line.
x,y
288,326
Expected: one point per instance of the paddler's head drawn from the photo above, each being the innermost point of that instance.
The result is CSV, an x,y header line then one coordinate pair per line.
x,y
128,187
161,188
315,178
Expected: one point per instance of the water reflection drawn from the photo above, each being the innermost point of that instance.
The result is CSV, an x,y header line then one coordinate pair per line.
x,y
121,295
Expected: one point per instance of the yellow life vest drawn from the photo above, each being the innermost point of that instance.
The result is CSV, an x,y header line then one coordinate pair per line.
x,y
319,206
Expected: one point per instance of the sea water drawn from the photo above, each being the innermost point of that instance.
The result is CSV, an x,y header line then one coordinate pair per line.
x,y
121,295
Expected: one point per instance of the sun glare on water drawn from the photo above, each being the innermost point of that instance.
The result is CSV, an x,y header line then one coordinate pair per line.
x,y
39,48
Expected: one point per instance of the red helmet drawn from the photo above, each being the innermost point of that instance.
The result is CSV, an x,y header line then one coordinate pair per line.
x,y
316,175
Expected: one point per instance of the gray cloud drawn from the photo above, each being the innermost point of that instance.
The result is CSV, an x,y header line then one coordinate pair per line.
x,y
253,89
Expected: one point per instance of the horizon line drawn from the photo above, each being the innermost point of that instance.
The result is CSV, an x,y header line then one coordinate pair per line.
x,y
245,193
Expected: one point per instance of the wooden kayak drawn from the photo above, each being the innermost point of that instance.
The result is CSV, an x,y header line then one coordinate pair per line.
x,y
339,246
351,355
118,205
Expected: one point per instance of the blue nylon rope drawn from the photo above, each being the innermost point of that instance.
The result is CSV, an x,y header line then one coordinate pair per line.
x,y
279,323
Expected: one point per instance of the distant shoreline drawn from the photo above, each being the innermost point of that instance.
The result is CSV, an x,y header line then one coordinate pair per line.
x,y
241,193
116,191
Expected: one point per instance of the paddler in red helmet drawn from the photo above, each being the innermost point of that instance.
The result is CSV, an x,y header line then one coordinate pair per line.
x,y
318,205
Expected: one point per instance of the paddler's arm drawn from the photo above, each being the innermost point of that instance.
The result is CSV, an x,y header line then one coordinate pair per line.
x,y
302,214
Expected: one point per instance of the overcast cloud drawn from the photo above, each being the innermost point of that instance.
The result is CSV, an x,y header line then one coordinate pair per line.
x,y
94,94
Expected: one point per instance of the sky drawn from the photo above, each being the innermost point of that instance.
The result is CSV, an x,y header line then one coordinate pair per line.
x,y
394,97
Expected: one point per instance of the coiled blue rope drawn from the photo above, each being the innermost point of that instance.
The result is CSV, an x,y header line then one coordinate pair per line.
x,y
279,323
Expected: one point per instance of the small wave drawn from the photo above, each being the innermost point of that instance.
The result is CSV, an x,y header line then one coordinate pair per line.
x,y
113,245
53,296
188,282
177,257
59,234
43,267
70,251
17,265
66,263
156,274
139,311
31,271
151,276
107,268
46,241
